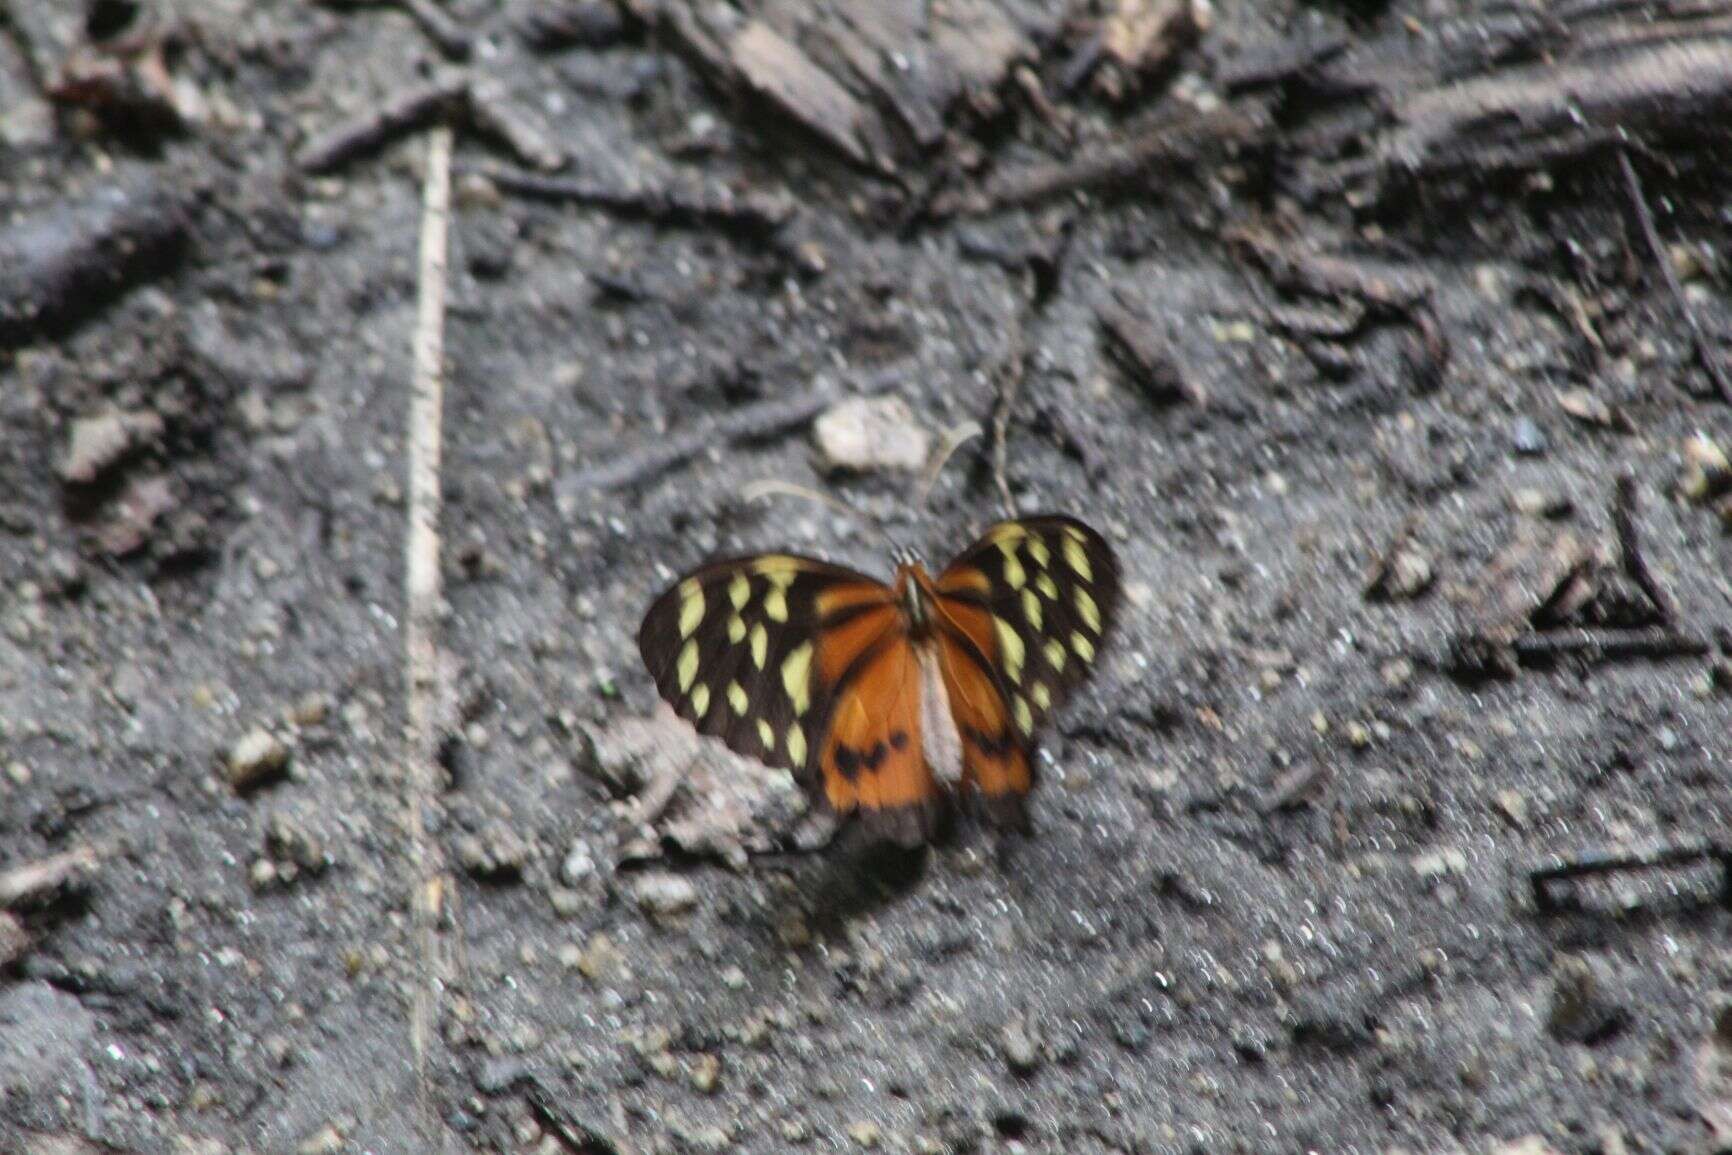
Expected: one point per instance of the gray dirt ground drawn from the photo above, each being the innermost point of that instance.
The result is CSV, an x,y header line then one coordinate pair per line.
x,y
1168,964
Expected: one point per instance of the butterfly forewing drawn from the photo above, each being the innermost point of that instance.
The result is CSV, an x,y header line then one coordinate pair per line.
x,y
741,650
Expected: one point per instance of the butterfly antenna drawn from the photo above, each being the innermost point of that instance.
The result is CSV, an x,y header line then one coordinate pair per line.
x,y
955,438
771,487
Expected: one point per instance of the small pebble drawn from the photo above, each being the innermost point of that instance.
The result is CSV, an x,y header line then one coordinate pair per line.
x,y
706,1073
1531,501
1438,863
871,433
601,959
1528,438
578,866
663,895
259,755
865,1134
1514,806
1021,1050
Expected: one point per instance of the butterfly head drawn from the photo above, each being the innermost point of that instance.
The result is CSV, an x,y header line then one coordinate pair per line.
x,y
914,592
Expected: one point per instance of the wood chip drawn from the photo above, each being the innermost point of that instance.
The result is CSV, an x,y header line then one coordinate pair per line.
x,y
776,69
44,880
1130,339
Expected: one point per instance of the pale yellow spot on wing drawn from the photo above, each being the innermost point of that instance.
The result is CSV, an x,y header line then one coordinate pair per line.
x,y
739,591
1014,575
780,570
776,604
1037,550
760,645
1084,648
1091,613
737,698
1042,696
736,629
1010,647
691,606
1055,655
1011,531
796,745
1047,587
1024,718
700,701
1077,556
766,735
796,677
687,666
1031,608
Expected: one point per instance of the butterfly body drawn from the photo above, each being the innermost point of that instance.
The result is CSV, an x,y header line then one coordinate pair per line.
x,y
889,699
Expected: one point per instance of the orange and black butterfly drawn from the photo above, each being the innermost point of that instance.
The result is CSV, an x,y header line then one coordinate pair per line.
x,y
886,700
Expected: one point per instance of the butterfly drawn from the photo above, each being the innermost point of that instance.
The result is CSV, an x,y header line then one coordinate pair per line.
x,y
890,700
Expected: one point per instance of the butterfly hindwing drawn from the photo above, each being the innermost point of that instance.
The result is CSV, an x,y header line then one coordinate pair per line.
x,y
739,649
873,762
1027,608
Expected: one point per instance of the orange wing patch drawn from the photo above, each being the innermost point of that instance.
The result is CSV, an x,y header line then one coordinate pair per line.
x,y
873,762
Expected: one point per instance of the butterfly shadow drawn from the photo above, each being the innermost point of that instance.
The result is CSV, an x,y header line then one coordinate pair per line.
x,y
856,874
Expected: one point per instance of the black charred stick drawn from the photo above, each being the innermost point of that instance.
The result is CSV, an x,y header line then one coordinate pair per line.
x,y
1592,863
396,117
1630,549
663,204
1607,645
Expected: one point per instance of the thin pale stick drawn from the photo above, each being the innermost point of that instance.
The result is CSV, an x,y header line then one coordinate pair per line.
x,y
422,593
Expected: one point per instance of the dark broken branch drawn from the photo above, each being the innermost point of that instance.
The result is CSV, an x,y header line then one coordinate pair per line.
x,y
1171,142
1331,278
1705,352
396,117
1654,643
1630,549
457,95
674,204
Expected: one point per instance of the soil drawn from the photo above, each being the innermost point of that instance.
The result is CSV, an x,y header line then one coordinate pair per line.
x,y
1281,892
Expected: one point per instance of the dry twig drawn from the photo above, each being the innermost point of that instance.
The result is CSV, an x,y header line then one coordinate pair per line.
x,y
1705,353
395,117
1169,142
1610,645
36,882
422,594
1010,375
1630,549
663,204
1562,868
